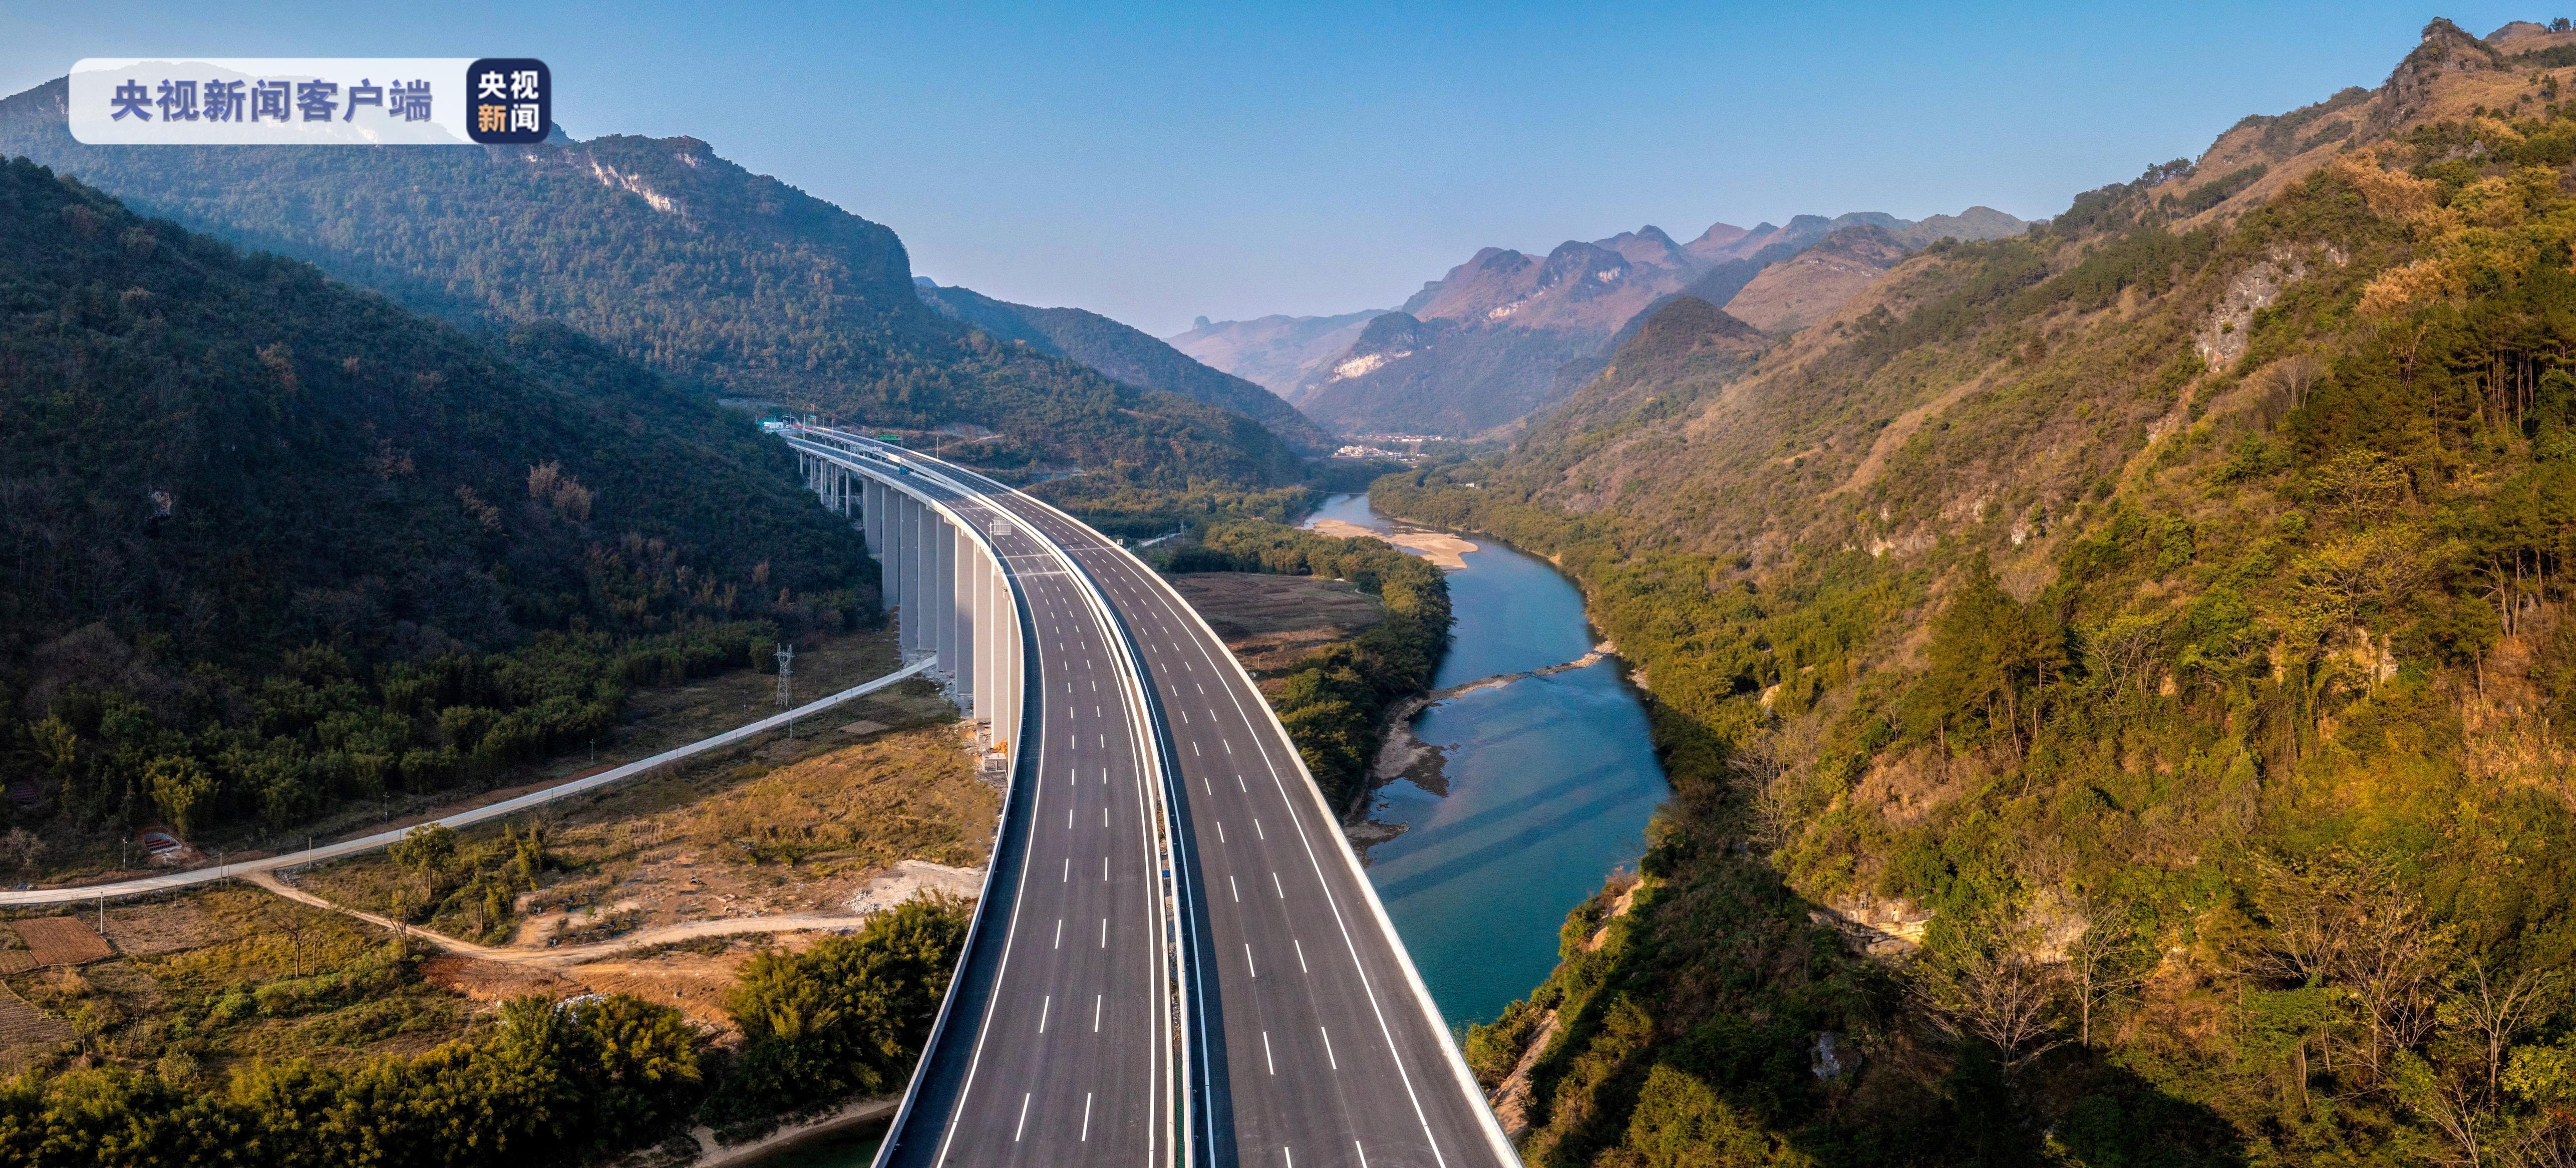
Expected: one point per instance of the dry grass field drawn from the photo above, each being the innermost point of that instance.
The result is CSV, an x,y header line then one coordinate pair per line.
x,y
1274,622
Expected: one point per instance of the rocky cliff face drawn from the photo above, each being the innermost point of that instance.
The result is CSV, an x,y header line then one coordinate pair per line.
x,y
1281,353
1519,332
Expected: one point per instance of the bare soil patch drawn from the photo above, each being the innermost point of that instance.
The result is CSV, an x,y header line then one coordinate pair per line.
x,y
490,983
692,983
148,930
739,842
62,940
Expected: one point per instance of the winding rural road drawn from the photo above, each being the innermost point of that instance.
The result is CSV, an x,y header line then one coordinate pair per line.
x,y
83,893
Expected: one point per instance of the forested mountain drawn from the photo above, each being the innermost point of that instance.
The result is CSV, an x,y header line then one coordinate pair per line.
x,y
268,542
669,254
1128,355
2116,681
1507,334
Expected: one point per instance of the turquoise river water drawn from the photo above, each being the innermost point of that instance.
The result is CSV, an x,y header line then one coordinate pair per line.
x,y
1543,789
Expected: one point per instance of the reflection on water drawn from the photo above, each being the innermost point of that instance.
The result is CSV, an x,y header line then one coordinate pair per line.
x,y
1549,783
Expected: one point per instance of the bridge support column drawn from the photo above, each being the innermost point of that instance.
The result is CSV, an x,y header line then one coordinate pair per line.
x,y
901,559
988,629
872,522
920,614
943,598
1006,666
963,630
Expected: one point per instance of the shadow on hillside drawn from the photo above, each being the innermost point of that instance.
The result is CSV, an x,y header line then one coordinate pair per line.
x,y
1695,1029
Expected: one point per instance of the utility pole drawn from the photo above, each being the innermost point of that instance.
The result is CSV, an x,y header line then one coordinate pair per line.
x,y
786,670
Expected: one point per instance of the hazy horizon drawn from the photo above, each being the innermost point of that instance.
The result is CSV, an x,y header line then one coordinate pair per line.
x,y
1156,165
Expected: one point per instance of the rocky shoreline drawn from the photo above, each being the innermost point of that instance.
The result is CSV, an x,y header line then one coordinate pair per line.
x,y
1404,755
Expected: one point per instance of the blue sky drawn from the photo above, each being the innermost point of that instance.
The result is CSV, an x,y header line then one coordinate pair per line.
x,y
1159,162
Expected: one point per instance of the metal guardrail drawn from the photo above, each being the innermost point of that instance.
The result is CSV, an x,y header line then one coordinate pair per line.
x,y
856,454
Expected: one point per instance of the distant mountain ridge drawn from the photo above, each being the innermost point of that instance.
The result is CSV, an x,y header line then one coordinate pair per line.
x,y
1508,333
1128,355
674,256
1279,352
2160,576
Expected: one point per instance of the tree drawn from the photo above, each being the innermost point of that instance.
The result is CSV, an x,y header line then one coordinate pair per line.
x,y
2344,919
1992,656
1992,987
2104,964
848,1015
427,849
2299,373
182,789
2495,1009
645,1076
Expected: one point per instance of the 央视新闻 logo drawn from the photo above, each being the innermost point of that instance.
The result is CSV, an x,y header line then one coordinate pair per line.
x,y
508,100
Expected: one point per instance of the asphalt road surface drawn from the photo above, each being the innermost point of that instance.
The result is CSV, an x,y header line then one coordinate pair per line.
x,y
1057,1052
1316,1044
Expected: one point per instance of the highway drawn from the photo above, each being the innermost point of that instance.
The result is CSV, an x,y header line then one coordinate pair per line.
x,y
1313,1041
1058,1045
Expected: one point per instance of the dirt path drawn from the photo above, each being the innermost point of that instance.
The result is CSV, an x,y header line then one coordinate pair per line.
x,y
1903,428
566,956
502,809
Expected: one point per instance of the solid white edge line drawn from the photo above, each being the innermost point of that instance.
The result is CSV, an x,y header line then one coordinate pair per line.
x,y
1497,1142
1019,895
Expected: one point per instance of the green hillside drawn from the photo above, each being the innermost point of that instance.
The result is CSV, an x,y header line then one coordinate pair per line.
x,y
270,543
725,280
1128,355
2115,682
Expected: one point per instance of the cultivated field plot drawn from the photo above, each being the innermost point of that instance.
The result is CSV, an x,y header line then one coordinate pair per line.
x,y
149,930
61,941
21,1025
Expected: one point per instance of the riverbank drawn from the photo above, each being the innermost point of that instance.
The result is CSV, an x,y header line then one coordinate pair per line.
x,y
1527,765
1439,547
1404,755
1334,701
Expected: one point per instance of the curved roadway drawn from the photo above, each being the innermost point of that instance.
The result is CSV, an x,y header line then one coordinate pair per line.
x,y
1316,1043
1056,1044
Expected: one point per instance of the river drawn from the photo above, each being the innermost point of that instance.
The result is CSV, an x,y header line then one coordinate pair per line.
x,y
1541,786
